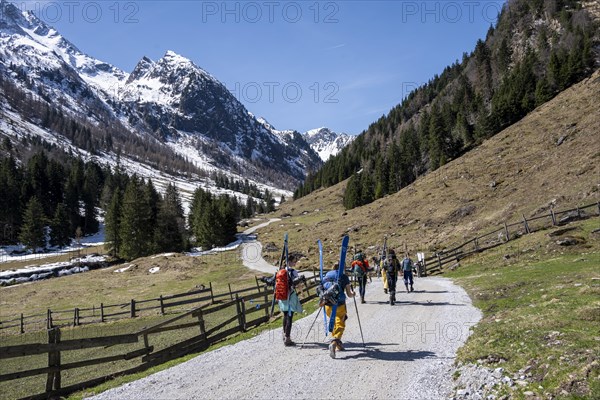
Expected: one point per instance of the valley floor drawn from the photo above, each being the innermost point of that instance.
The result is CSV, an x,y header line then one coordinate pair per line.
x,y
410,349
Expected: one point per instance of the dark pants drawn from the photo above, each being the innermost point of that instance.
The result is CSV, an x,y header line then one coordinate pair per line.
x,y
287,323
362,285
408,278
392,278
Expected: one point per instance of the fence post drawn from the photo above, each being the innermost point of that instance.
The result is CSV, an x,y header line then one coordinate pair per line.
x,y
476,244
506,232
553,217
132,313
230,294
49,319
578,212
598,207
439,261
201,323
76,317
212,296
240,312
257,284
526,224
53,380
22,324
162,305
101,312
266,304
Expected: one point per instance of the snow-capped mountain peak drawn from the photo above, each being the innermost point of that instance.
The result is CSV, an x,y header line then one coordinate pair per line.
x,y
29,31
327,143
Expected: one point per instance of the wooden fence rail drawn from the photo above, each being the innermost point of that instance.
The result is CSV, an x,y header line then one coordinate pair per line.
x,y
230,317
436,262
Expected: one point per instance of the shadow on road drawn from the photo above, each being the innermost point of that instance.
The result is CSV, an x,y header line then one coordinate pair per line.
x,y
370,353
416,303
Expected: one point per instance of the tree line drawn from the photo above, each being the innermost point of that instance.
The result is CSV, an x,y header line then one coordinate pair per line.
x,y
491,89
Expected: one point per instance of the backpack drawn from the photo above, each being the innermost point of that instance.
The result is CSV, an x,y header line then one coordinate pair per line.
x,y
282,285
358,257
391,266
329,293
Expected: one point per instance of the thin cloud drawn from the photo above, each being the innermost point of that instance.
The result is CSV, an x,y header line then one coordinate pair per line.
x,y
338,46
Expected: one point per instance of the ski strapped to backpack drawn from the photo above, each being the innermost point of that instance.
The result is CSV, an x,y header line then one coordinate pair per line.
x,y
343,252
281,261
322,278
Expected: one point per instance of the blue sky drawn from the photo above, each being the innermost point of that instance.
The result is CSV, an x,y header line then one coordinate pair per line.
x,y
299,64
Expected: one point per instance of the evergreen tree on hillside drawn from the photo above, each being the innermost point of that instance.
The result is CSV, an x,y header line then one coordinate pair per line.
x,y
91,188
10,204
169,235
112,222
32,231
136,230
60,234
352,195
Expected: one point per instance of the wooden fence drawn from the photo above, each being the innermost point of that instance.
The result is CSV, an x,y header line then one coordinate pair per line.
x,y
240,311
79,316
436,263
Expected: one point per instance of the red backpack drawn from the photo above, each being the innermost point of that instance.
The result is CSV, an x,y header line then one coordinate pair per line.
x,y
282,285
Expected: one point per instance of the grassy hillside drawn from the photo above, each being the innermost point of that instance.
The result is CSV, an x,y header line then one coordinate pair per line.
x,y
541,311
550,158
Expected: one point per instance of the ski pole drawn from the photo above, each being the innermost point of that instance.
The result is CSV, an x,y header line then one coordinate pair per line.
x,y
358,317
311,326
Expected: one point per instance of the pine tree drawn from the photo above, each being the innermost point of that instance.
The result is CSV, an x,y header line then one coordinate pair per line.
x,y
60,234
135,229
352,195
112,226
169,235
10,204
542,92
32,232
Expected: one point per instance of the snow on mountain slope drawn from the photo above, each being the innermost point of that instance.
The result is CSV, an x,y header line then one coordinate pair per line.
x,y
171,103
327,143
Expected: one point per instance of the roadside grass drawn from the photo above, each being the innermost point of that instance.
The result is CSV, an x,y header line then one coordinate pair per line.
x,y
541,306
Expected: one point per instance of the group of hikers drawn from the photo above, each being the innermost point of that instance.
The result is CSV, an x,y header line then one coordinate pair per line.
x,y
338,281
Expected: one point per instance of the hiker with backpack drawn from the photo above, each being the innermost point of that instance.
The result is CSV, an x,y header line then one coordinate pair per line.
x,y
392,266
285,293
407,267
361,269
344,289
383,268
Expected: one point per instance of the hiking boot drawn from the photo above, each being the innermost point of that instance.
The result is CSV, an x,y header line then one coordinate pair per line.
x,y
339,346
411,288
385,291
407,291
332,347
288,342
362,300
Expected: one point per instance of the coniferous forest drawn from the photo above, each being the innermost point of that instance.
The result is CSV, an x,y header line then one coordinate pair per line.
x,y
493,87
52,199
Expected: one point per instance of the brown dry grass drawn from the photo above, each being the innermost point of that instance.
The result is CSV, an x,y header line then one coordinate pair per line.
x,y
178,273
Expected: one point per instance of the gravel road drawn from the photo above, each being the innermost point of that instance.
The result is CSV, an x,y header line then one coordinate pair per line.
x,y
410,348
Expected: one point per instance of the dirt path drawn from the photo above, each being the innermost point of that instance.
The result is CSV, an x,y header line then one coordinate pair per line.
x,y
251,250
409,351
